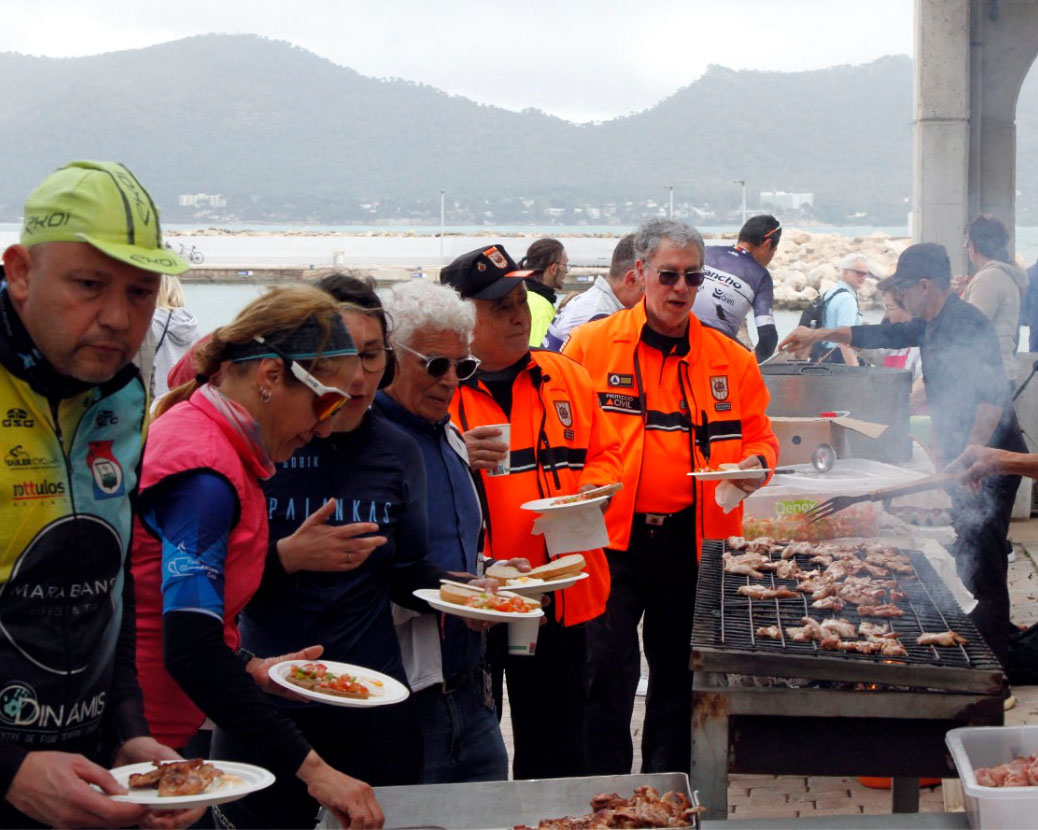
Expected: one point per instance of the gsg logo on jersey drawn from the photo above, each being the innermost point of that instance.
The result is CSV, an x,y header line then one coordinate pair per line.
x,y
106,470
18,418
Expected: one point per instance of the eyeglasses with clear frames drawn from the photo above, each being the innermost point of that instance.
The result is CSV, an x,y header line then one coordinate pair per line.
x,y
375,359
438,365
327,399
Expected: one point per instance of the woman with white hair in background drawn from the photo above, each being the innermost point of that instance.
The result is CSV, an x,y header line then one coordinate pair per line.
x,y
432,330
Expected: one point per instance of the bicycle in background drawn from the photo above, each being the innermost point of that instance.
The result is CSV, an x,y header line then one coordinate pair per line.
x,y
192,254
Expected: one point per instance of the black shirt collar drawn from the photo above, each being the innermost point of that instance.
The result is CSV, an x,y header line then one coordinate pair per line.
x,y
538,287
678,346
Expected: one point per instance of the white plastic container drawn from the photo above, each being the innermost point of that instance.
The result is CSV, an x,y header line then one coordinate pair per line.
x,y
777,509
976,747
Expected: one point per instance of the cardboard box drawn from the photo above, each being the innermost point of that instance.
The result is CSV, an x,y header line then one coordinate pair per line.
x,y
798,437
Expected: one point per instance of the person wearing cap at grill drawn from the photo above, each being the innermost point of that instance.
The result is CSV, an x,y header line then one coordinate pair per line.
x,y
683,397
969,403
80,291
560,444
200,538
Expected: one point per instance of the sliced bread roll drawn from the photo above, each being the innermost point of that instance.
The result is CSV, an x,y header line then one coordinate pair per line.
x,y
568,565
501,571
458,594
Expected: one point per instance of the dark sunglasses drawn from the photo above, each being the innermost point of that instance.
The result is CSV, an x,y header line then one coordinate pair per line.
x,y
327,401
438,365
692,278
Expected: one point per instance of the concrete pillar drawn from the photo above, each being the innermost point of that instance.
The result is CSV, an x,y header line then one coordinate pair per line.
x,y
942,122
971,59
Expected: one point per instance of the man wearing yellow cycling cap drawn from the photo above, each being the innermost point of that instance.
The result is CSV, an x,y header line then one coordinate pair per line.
x,y
78,299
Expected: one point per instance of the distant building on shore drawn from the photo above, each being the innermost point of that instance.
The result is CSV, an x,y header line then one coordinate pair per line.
x,y
208,200
782,200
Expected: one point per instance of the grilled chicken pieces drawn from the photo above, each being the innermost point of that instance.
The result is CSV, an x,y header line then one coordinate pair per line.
x,y
852,574
763,592
880,611
646,808
177,777
947,639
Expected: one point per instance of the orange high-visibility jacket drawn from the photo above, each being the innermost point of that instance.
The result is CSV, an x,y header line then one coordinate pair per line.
x,y
721,379
560,440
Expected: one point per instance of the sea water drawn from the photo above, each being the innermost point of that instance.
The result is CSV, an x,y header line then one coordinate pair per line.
x,y
215,304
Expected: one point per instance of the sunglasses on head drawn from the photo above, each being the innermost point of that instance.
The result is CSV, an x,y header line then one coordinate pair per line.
x,y
438,365
692,278
327,399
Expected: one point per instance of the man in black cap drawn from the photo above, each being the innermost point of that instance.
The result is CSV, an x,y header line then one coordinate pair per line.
x,y
969,404
559,443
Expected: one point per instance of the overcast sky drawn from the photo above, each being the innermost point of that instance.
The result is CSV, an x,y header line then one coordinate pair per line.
x,y
579,59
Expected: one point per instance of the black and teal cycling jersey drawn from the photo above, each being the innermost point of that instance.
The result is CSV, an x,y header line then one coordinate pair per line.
x,y
734,284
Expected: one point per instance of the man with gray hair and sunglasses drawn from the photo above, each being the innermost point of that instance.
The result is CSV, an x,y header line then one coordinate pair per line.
x,y
684,398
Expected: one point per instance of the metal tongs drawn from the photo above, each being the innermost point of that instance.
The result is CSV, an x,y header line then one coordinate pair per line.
x,y
838,503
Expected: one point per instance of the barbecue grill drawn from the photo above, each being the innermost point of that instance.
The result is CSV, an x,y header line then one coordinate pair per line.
x,y
855,714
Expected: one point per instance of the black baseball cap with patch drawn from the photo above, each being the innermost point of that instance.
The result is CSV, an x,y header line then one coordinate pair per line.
x,y
923,260
483,274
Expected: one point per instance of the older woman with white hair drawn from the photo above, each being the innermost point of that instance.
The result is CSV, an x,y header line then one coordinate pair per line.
x,y
432,330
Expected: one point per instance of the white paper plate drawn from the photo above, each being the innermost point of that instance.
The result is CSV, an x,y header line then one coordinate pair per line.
x,y
394,690
549,585
728,475
247,779
543,505
432,596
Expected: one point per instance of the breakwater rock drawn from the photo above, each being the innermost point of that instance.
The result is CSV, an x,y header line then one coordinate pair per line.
x,y
808,264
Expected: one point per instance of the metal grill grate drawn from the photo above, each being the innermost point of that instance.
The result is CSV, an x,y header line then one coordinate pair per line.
x,y
725,619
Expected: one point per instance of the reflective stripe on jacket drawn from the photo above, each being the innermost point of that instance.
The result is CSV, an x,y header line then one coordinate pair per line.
x,y
560,440
722,381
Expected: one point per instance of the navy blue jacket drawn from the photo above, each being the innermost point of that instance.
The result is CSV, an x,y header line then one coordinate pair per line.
x,y
454,533
376,474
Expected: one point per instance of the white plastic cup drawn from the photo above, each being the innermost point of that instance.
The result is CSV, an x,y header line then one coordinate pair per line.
x,y
522,636
505,466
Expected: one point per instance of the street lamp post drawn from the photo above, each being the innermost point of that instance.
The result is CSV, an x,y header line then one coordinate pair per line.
x,y
670,215
441,224
742,182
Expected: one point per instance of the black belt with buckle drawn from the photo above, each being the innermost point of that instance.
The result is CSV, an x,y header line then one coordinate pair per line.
x,y
456,681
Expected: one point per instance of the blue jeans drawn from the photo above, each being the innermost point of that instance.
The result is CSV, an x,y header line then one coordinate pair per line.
x,y
461,736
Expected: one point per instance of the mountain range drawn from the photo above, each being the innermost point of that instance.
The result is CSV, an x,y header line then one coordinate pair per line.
x,y
283,135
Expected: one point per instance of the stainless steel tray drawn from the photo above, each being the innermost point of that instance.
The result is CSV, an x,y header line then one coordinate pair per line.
x,y
503,804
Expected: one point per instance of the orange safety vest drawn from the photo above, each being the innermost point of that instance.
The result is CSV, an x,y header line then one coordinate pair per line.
x,y
560,440
713,397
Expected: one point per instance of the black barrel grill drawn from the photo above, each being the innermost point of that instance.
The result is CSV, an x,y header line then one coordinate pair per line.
x,y
852,714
